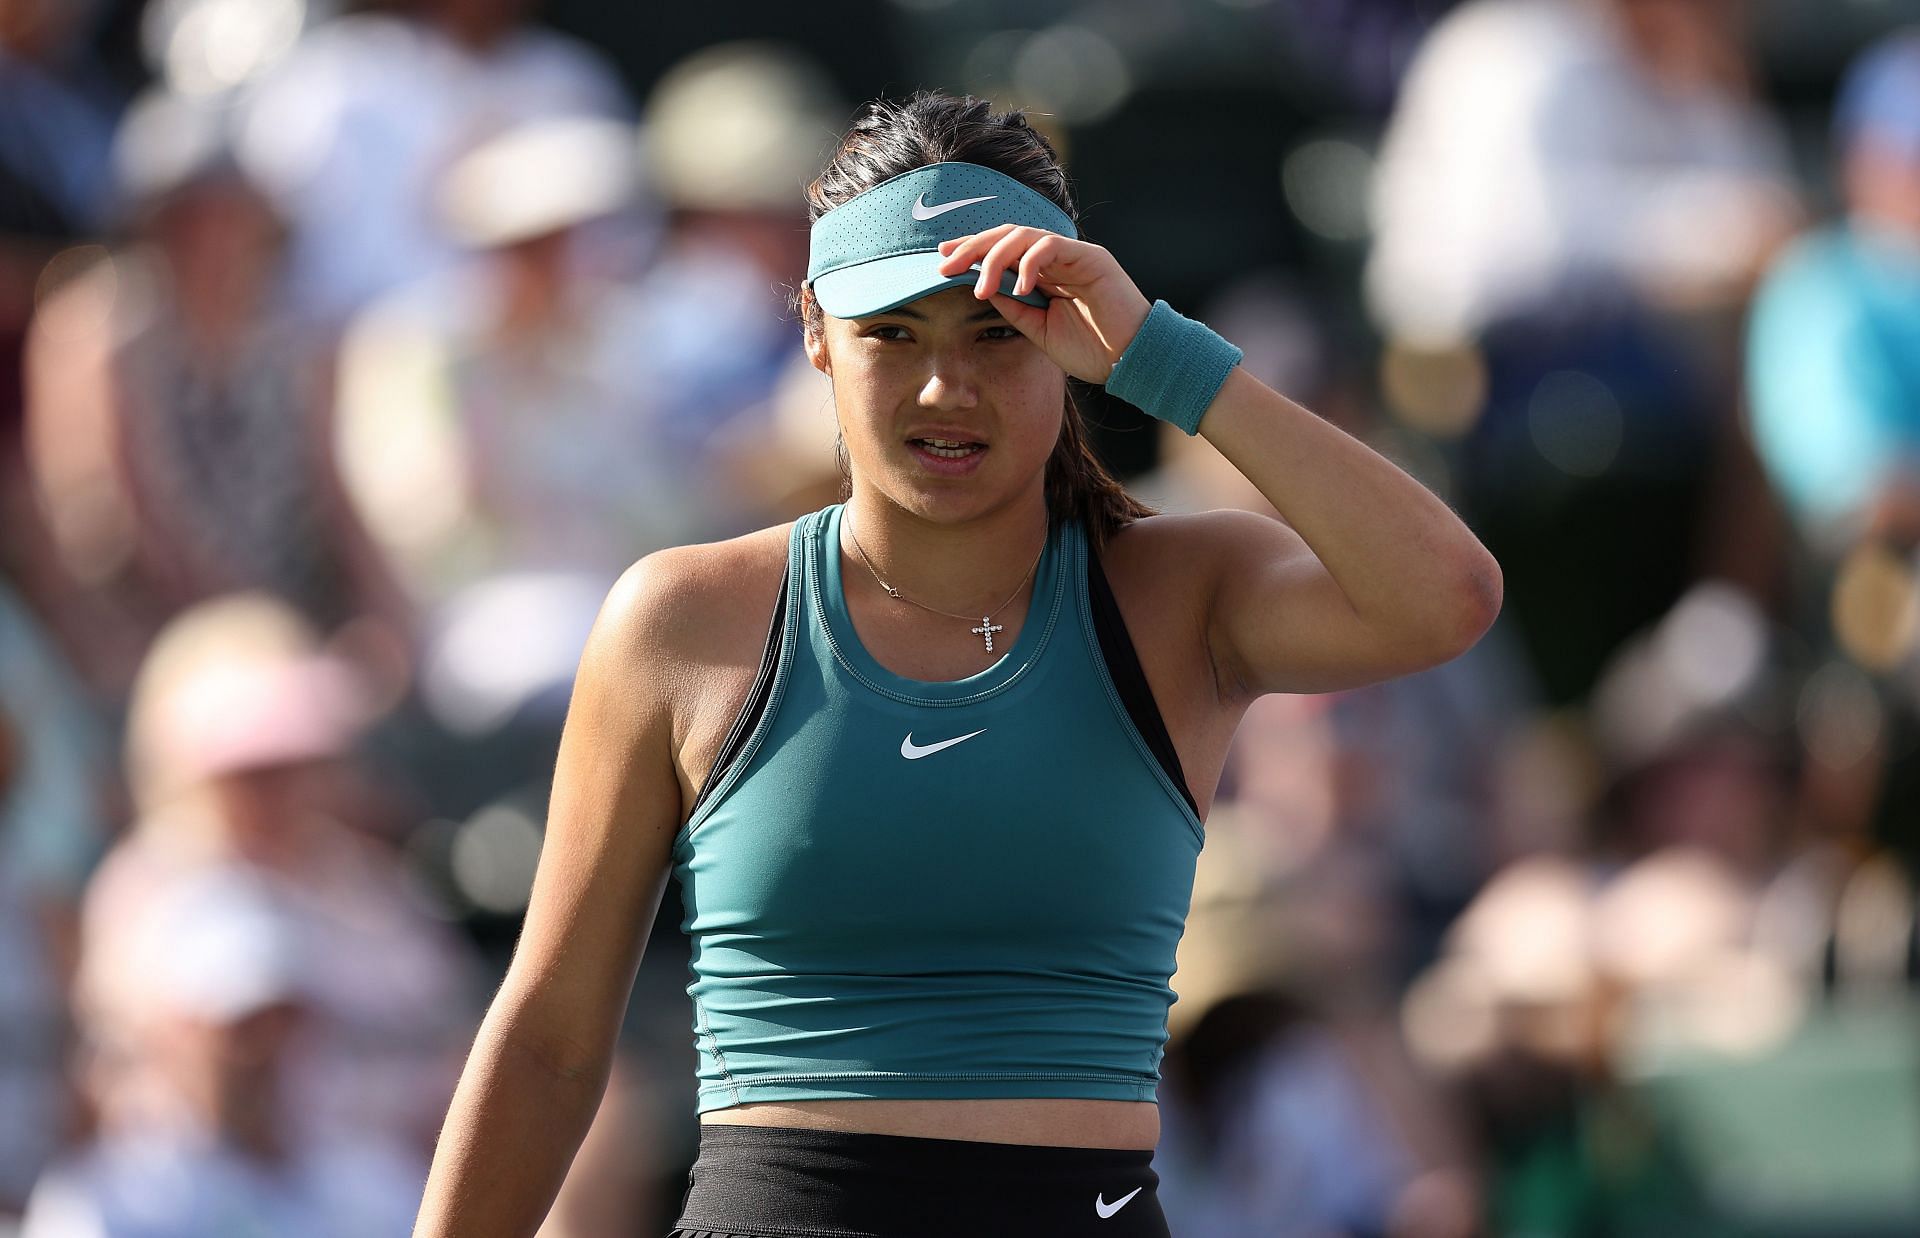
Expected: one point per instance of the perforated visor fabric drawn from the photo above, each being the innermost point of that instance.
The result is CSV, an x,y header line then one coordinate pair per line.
x,y
881,249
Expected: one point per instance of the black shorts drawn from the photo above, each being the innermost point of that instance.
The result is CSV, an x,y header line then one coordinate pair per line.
x,y
784,1181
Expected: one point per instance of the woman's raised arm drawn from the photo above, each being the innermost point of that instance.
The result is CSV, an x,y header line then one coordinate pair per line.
x,y
1366,576
540,1062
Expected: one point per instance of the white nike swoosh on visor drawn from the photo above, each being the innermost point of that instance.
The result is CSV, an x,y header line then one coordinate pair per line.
x,y
1105,1209
913,752
922,211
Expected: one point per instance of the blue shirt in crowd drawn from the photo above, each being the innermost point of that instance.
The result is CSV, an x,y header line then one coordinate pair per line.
x,y
1833,370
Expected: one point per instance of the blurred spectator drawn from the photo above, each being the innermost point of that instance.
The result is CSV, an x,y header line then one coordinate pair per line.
x,y
520,429
1300,1143
54,817
30,1024
1515,1018
1834,347
497,436
368,111
1288,1105
1420,772
490,439
1572,200
1561,156
224,980
177,416
239,745
732,135
1593,1010
52,829
1692,724
55,190
489,421
1833,368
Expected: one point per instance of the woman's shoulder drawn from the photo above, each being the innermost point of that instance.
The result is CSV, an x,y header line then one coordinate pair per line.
x,y
701,602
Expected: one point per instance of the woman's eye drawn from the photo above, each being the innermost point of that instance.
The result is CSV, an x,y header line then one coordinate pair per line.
x,y
882,331
1009,333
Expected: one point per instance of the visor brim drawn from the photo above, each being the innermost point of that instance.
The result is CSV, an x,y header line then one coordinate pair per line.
x,y
888,283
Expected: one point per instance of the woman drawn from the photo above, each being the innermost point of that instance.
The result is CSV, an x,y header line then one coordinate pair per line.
x,y
936,824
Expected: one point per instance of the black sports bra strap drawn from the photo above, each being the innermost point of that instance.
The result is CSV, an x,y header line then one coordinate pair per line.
x,y
756,702
1123,664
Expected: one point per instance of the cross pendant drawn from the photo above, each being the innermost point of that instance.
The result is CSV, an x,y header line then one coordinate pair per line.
x,y
987,628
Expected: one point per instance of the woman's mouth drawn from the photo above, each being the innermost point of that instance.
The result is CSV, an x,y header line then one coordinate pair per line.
x,y
947,448
948,457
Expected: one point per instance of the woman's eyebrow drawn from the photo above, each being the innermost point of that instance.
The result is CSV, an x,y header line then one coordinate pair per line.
x,y
984,314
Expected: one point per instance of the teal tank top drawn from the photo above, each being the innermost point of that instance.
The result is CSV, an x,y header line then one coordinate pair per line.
x,y
966,888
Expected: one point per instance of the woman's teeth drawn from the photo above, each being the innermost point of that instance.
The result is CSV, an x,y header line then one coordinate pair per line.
x,y
947,448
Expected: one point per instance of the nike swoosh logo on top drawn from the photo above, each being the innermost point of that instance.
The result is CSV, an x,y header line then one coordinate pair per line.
x,y
1105,1209
922,211
913,752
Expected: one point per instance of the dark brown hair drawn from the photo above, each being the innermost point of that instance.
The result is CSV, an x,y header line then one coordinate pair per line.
x,y
890,137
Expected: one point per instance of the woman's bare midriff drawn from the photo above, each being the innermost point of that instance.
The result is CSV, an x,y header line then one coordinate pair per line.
x,y
1055,1122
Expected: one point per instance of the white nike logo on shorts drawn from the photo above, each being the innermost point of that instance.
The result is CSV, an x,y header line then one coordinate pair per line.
x,y
913,752
922,211
1105,1209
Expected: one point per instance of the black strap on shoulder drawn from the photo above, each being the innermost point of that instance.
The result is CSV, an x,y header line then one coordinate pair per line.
x,y
756,701
1123,664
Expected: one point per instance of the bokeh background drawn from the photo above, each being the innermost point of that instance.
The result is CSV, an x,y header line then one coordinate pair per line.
x,y
348,353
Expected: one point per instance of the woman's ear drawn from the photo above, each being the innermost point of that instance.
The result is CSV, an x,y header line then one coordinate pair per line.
x,y
812,338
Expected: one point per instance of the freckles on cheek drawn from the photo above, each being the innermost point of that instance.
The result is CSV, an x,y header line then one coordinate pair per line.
x,y
858,376
860,404
1039,391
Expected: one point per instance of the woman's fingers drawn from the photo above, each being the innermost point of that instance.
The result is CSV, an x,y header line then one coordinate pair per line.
x,y
1026,319
965,251
1003,254
1033,261
996,250
962,252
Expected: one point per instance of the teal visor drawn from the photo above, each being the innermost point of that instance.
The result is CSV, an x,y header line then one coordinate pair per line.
x,y
880,250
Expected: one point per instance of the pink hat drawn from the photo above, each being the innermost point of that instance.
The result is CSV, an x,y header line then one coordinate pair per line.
x,y
245,714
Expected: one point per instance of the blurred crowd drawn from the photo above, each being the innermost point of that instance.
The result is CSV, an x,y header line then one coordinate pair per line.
x,y
348,352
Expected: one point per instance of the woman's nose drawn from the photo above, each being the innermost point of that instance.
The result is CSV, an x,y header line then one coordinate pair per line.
x,y
950,383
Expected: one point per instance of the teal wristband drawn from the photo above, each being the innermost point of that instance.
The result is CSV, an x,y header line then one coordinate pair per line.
x,y
1173,368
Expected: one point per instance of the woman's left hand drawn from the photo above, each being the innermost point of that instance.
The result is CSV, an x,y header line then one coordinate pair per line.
x,y
1095,309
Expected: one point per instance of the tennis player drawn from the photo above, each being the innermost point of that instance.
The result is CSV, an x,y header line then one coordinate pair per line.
x,y
931,764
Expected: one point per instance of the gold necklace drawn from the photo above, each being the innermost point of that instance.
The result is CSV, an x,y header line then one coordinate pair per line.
x,y
987,626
